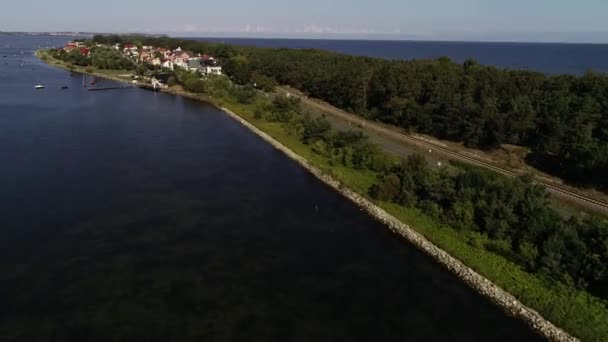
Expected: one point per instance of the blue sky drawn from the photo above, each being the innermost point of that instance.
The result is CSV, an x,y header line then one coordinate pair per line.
x,y
521,20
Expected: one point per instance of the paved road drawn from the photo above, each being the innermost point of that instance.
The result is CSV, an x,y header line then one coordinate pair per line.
x,y
556,190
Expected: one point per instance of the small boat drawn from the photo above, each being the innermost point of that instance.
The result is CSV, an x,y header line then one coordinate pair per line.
x,y
39,86
64,87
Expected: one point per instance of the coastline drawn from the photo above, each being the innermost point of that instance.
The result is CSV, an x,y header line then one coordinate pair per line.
x,y
480,284
476,281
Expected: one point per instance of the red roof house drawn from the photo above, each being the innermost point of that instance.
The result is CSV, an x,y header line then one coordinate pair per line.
x,y
70,46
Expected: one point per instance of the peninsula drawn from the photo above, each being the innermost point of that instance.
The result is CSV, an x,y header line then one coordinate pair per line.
x,y
498,234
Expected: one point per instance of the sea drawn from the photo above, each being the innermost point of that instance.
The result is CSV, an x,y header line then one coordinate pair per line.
x,y
131,215
549,58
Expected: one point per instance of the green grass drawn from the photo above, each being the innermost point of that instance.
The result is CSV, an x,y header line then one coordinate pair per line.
x,y
575,311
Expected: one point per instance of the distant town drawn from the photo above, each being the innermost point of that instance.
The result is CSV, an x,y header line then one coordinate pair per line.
x,y
155,57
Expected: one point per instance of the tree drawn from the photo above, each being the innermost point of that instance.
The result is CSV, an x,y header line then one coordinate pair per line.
x,y
265,83
315,129
244,95
238,68
171,82
195,85
386,189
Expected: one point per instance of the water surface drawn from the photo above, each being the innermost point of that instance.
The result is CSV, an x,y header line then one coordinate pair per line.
x,y
552,58
135,216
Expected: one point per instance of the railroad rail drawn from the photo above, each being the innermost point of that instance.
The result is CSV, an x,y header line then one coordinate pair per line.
x,y
555,189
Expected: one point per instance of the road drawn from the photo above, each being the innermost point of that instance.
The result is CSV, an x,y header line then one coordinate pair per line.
x,y
556,190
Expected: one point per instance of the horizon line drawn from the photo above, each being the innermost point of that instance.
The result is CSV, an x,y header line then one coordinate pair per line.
x,y
325,36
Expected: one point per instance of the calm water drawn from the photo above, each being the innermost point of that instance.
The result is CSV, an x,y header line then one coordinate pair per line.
x,y
548,58
134,216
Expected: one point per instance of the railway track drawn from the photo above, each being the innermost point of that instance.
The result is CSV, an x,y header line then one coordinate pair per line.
x,y
555,189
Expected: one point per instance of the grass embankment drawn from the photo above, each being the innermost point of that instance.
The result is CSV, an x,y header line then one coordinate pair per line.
x,y
575,311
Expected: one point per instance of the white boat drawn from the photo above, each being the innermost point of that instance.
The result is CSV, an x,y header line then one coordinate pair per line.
x,y
39,87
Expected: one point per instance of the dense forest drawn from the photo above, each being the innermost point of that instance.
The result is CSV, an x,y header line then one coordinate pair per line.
x,y
562,119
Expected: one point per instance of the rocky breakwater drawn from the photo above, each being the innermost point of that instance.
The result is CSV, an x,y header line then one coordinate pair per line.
x,y
479,283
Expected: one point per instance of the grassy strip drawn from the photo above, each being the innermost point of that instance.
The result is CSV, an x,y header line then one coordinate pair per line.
x,y
575,311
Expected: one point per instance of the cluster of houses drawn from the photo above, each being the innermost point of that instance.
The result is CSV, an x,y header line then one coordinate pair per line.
x,y
69,47
169,59
165,58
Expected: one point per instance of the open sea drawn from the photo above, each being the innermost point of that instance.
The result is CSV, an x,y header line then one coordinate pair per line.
x,y
130,215
551,58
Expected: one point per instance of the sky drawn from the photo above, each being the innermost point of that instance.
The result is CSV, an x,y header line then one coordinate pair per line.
x,y
483,20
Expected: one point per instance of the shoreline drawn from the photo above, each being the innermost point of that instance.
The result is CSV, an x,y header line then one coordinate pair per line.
x,y
476,281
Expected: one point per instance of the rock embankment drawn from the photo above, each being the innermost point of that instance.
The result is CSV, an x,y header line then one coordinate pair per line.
x,y
479,283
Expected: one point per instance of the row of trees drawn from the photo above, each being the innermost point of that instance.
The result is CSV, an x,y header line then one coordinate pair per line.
x,y
100,57
74,57
108,58
348,148
563,119
515,214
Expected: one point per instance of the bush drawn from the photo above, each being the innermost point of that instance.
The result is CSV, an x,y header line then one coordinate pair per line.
x,y
171,82
387,189
244,95
258,113
195,86
264,83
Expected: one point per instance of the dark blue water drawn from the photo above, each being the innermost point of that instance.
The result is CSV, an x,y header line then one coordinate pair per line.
x,y
135,216
547,58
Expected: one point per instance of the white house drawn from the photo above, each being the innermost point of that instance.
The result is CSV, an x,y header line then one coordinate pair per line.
x,y
180,63
211,70
168,64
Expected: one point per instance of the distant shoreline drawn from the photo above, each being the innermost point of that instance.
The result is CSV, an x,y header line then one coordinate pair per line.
x,y
328,37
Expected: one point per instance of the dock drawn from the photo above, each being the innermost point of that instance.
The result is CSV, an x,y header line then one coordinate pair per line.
x,y
108,88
